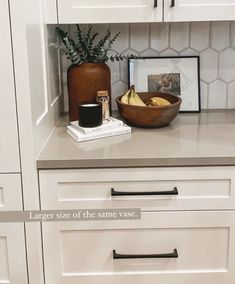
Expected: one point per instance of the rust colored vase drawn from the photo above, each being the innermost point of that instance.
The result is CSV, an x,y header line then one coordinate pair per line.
x,y
83,83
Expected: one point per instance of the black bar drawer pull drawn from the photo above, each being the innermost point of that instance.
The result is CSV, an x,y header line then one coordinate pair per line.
x,y
172,3
130,193
155,4
173,254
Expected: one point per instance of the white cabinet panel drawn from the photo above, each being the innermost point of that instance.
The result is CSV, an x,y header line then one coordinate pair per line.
x,y
50,7
82,252
198,188
9,152
109,11
198,10
12,254
12,241
10,192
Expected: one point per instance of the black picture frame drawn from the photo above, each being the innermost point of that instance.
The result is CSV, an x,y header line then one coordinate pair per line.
x,y
180,75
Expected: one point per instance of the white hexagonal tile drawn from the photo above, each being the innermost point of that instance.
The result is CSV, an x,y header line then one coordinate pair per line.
x,y
124,71
217,95
139,39
179,36
188,52
204,95
209,65
219,35
226,65
199,35
168,52
117,90
231,95
115,69
122,41
149,52
159,36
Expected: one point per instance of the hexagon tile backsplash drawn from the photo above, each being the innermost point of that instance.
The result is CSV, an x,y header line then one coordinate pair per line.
x,y
214,42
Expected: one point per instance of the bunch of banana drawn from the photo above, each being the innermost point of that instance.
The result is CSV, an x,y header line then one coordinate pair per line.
x,y
157,101
132,98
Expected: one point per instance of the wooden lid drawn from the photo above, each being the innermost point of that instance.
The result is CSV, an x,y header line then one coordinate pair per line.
x,y
102,93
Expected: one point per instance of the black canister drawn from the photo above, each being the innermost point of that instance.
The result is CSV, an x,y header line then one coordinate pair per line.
x,y
90,114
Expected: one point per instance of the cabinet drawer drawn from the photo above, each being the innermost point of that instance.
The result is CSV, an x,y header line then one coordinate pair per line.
x,y
198,188
83,252
10,192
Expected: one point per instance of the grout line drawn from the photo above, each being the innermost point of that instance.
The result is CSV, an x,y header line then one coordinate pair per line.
x,y
57,11
208,95
210,35
230,34
148,32
189,36
227,106
129,36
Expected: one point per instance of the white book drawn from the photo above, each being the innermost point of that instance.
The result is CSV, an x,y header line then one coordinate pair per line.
x,y
107,124
79,137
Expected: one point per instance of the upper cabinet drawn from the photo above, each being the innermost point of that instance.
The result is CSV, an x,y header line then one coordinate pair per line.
x,y
9,151
109,11
198,10
133,11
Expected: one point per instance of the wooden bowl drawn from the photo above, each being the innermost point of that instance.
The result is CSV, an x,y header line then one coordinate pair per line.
x,y
150,116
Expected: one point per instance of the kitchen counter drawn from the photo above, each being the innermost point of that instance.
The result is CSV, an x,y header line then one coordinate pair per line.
x,y
190,140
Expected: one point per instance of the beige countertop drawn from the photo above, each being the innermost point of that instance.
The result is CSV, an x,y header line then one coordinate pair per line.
x,y
190,140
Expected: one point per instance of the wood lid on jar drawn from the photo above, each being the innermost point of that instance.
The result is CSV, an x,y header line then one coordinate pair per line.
x,y
102,93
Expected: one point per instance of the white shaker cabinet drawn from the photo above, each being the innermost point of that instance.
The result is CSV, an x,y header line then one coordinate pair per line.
x,y
134,11
9,151
199,247
12,254
198,10
109,11
187,215
12,241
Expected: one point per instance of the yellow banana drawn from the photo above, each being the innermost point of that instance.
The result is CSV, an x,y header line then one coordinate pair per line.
x,y
134,98
157,101
125,97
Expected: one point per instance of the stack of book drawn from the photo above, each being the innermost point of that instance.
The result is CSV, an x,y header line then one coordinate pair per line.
x,y
110,127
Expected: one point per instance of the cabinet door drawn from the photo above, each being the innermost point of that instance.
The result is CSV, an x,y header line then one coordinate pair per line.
x,y
9,152
12,241
198,10
83,252
12,254
109,11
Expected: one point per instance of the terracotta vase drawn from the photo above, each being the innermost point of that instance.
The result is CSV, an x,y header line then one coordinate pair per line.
x,y
83,83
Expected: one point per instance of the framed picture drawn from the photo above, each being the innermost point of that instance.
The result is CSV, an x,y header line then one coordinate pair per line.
x,y
177,75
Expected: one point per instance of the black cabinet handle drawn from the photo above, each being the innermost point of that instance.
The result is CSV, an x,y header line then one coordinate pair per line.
x,y
173,254
155,4
131,193
172,3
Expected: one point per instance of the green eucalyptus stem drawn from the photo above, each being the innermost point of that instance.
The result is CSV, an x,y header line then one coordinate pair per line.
x,y
84,50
